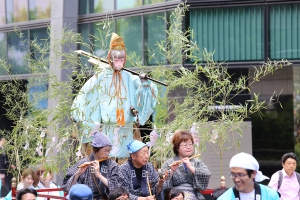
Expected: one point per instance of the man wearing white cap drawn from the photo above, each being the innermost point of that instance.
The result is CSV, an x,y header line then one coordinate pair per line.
x,y
139,173
244,171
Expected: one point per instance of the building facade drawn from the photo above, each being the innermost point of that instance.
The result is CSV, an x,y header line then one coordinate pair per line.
x,y
241,33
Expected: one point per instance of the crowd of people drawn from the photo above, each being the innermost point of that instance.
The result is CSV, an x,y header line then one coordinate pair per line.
x,y
40,178
98,177
137,178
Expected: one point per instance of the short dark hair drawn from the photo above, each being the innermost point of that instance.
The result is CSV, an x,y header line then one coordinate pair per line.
x,y
218,192
26,191
117,192
172,193
289,155
180,136
96,149
249,172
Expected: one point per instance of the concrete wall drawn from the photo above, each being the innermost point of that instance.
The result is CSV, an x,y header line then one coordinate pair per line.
x,y
280,82
211,159
64,14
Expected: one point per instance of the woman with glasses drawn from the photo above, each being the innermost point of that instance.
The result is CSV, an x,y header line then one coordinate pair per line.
x,y
189,175
97,171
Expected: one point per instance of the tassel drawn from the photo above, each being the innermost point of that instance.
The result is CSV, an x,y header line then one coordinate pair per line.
x,y
120,117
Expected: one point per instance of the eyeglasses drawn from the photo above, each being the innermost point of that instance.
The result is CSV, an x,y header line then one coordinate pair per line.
x,y
106,150
187,145
238,175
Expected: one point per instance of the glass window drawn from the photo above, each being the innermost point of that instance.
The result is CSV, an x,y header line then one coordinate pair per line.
x,y
37,94
146,2
130,29
285,31
16,11
84,7
84,30
3,52
154,25
235,34
100,6
40,52
9,11
121,4
39,9
2,12
17,50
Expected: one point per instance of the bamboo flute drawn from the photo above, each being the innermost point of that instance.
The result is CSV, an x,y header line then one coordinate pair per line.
x,y
180,161
148,183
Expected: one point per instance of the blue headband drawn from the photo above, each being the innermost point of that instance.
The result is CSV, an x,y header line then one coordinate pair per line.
x,y
135,145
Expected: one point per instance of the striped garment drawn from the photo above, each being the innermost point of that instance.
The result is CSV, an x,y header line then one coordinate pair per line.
x,y
114,178
134,194
199,180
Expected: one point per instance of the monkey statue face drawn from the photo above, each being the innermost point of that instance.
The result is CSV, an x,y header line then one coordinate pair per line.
x,y
118,63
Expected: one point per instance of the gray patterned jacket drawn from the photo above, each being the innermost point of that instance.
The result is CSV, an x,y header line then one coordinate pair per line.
x,y
200,179
128,185
114,177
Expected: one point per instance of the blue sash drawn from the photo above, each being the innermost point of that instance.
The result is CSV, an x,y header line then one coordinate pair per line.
x,y
143,190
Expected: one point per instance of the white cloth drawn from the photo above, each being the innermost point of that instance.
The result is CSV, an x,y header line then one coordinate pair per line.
x,y
247,196
247,161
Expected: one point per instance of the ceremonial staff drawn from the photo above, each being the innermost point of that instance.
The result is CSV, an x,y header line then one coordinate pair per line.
x,y
94,58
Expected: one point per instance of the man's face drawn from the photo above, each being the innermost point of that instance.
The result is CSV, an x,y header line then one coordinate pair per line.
x,y
118,63
243,183
289,166
141,157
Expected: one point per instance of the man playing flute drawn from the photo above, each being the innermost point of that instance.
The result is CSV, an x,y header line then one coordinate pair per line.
x,y
140,178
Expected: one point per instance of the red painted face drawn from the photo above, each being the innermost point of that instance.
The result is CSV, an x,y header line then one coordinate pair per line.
x,y
118,63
